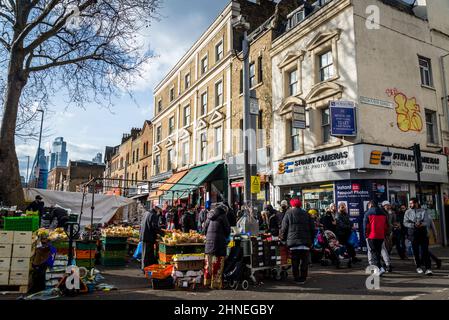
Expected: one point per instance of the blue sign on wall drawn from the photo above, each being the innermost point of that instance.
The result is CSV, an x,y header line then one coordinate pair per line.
x,y
343,118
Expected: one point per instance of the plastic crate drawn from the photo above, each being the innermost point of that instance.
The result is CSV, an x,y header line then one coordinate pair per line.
x,y
112,262
85,254
114,254
86,245
180,249
86,263
21,223
165,258
157,271
60,244
114,240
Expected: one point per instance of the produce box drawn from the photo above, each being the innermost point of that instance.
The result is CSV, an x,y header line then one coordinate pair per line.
x,y
181,249
165,258
21,223
86,263
157,271
189,265
6,237
163,284
20,264
113,262
4,278
85,254
5,250
189,257
5,264
19,278
81,245
22,251
24,237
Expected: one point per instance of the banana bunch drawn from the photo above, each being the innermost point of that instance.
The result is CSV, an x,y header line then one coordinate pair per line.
x,y
118,231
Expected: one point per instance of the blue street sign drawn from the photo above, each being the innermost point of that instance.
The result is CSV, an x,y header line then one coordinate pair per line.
x,y
343,118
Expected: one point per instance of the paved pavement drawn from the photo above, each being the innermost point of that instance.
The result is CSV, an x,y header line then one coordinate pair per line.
x,y
324,283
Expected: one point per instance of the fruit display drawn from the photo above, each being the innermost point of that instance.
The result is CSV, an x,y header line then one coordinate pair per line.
x,y
189,257
177,237
117,232
43,233
57,235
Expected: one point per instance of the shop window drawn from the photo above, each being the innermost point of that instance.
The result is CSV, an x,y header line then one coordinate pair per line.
x,y
425,69
326,66
203,104
431,125
325,126
219,93
218,138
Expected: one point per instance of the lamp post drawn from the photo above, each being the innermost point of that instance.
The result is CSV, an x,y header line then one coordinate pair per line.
x,y
36,160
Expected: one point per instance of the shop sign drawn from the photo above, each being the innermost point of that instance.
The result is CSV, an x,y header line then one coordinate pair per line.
x,y
298,117
343,118
255,184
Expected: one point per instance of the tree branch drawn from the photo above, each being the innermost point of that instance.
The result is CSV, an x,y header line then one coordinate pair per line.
x,y
4,15
65,62
5,44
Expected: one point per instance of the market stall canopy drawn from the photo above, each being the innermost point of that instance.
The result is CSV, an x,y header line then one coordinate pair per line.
x,y
155,194
192,180
106,206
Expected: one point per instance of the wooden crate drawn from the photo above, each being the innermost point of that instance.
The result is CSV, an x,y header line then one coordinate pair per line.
x,y
24,237
6,237
5,250
4,278
20,264
5,264
19,278
22,251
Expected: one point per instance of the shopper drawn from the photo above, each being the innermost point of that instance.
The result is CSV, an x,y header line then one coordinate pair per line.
x,y
188,220
387,244
432,229
416,220
231,215
375,224
171,219
272,220
298,231
399,232
217,230
328,221
148,235
344,230
281,213
202,217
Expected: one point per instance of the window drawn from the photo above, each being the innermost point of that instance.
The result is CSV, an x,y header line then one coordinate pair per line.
x,y
157,164
159,134
171,125
431,124
325,125
203,146
242,136
185,153
295,19
169,159
159,106
132,177
137,155
260,66
186,115
252,75
219,94
204,65
293,82
326,66
121,163
203,104
134,156
218,141
425,68
172,94
241,81
260,131
219,51
295,138
187,81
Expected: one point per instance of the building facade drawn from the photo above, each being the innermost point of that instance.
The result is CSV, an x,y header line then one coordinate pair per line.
x,y
367,93
59,154
81,172
56,178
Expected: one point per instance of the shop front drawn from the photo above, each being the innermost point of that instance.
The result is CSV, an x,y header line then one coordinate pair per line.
x,y
358,173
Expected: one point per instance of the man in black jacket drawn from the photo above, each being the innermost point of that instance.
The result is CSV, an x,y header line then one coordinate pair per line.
x,y
298,231
148,236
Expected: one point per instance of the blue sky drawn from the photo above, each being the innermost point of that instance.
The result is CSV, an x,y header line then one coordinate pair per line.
x,y
89,131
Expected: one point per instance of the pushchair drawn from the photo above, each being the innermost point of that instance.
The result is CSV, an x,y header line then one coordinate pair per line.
x,y
235,272
334,252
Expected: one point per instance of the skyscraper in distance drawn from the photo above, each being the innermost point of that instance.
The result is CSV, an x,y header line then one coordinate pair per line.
x,y
59,154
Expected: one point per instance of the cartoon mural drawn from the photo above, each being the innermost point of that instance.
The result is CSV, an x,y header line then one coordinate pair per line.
x,y
407,110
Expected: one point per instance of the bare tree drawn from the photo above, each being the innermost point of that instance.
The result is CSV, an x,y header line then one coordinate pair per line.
x,y
88,49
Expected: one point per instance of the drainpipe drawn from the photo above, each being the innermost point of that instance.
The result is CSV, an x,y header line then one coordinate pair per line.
x,y
446,111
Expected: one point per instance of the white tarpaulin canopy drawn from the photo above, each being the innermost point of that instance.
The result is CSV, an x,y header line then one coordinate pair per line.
x,y
106,206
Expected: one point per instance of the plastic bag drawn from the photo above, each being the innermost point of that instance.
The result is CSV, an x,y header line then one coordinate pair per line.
x,y
138,252
248,224
354,239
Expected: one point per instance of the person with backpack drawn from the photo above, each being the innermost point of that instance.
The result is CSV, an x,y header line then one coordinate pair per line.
x,y
376,227
298,231
416,220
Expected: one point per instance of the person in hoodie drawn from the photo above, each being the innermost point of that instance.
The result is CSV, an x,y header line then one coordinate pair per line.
x,y
149,231
217,231
188,220
281,213
376,228
272,223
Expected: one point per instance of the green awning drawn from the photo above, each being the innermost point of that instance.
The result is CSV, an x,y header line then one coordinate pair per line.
x,y
191,181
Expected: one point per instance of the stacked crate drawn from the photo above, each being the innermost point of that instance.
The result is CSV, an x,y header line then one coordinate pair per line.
x,y
54,275
272,253
6,242
166,252
257,252
85,254
114,251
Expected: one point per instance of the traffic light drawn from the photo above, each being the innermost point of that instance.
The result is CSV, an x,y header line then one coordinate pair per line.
x,y
418,159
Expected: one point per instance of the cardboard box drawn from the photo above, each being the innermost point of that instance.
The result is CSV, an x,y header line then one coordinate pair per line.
x,y
20,264
6,237
4,278
19,278
5,264
24,237
5,250
22,251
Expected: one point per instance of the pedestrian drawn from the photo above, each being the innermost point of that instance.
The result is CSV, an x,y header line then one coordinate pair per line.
x,y
328,221
416,220
399,232
376,227
171,219
281,213
344,229
298,231
231,215
188,220
202,217
217,231
272,220
387,244
432,229
148,236
37,206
